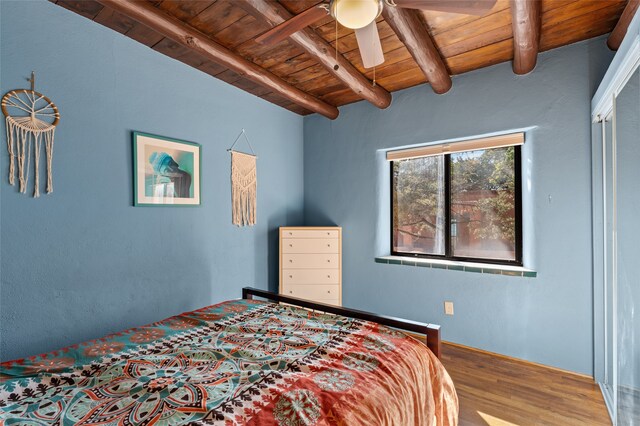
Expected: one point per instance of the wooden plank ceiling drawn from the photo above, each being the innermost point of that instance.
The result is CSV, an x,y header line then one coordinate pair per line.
x,y
464,42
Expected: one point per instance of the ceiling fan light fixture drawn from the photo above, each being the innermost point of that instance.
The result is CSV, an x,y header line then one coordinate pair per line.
x,y
356,14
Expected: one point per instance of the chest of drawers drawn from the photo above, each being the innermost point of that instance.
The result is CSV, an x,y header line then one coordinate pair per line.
x,y
311,263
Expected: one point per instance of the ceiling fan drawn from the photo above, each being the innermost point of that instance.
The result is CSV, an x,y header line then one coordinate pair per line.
x,y
361,15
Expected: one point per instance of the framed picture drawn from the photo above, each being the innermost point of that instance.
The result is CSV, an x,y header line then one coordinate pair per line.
x,y
166,171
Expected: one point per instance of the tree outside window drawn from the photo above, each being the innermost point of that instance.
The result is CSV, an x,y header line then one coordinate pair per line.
x,y
460,206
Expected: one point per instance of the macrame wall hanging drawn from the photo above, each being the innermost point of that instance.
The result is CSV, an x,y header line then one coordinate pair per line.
x,y
244,182
31,120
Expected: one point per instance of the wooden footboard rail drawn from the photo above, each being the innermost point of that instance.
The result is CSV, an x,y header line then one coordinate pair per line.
x,y
430,331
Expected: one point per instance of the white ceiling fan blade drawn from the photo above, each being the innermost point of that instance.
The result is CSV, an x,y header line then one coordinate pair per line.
x,y
466,7
369,45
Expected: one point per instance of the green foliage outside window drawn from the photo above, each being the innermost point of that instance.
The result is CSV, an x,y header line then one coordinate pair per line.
x,y
482,191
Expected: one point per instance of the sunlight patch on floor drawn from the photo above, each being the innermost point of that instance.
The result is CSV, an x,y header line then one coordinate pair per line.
x,y
494,421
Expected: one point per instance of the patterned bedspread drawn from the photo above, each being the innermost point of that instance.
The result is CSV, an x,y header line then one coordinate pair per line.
x,y
238,362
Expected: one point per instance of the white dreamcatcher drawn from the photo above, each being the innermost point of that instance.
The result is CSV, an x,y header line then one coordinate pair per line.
x,y
31,120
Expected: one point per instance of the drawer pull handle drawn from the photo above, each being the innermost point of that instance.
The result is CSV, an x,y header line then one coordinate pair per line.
x,y
328,276
328,260
328,291
290,260
291,291
290,245
290,276
290,233
328,245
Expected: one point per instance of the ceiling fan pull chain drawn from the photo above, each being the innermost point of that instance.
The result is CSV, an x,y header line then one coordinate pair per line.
x,y
336,66
374,70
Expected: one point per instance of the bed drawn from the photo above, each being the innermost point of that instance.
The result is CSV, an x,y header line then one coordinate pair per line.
x,y
244,361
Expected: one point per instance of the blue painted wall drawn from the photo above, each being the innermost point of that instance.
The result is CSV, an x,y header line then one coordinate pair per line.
x,y
82,262
548,319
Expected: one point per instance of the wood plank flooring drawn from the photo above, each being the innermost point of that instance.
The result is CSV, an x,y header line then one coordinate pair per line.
x,y
500,391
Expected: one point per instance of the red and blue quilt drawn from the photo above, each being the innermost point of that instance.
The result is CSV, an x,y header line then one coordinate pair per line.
x,y
235,363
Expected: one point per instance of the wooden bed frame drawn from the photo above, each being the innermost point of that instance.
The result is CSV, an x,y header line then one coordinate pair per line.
x,y
430,331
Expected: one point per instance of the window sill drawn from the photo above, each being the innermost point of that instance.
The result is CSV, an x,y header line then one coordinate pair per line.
x,y
483,268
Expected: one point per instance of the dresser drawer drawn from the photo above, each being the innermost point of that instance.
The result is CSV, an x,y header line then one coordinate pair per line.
x,y
310,245
311,276
309,233
334,302
317,292
310,261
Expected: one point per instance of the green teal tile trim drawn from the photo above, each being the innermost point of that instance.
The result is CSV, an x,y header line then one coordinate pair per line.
x,y
455,267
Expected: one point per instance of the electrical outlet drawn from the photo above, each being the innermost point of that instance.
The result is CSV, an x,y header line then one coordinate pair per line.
x,y
448,308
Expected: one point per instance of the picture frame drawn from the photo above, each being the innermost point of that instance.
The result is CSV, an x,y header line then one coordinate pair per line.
x,y
166,171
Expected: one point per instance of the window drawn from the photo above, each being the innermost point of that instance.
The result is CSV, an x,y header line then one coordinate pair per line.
x,y
460,205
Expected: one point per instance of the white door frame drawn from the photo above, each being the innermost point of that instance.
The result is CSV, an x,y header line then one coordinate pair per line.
x,y
603,108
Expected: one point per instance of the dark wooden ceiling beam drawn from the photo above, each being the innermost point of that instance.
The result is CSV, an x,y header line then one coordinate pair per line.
x,y
620,30
176,30
274,13
409,26
526,20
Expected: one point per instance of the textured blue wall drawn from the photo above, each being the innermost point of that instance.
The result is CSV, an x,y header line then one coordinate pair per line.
x,y
547,319
82,262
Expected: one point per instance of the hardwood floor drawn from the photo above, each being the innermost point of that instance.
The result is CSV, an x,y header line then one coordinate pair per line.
x,y
500,391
